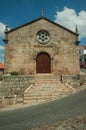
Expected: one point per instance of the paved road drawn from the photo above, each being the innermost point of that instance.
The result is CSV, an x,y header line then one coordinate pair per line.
x,y
26,118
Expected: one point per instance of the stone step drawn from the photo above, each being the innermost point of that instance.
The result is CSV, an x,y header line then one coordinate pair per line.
x,y
49,75
33,102
48,84
45,88
36,100
47,81
52,86
41,98
44,95
48,91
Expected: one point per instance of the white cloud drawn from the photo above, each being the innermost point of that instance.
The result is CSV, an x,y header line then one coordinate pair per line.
x,y
2,58
1,48
1,54
2,29
69,18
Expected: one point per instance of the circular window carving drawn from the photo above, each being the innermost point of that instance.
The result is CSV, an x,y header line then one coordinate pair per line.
x,y
43,36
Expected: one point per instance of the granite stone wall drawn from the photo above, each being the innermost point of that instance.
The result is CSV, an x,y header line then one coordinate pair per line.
x,y
22,48
15,85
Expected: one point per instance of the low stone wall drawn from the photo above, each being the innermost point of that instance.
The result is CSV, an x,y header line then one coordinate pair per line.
x,y
12,88
73,80
1,75
15,85
5,101
83,79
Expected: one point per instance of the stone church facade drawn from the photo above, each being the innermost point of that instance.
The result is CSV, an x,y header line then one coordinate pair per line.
x,y
41,46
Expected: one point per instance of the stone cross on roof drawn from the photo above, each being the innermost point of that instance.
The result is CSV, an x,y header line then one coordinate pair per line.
x,y
42,13
76,30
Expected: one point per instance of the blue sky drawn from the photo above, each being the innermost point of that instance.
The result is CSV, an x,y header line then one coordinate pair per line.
x,y
18,12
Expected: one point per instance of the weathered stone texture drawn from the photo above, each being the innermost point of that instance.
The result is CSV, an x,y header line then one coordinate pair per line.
x,y
22,49
15,85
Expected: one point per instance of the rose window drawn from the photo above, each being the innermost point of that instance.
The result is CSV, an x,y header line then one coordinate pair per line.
x,y
43,36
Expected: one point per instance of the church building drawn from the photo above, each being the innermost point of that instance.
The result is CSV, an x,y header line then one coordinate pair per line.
x,y
45,55
41,47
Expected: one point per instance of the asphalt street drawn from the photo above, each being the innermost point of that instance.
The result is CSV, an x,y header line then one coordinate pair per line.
x,y
30,117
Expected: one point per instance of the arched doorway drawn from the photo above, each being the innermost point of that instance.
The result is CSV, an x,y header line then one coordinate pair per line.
x,y
43,63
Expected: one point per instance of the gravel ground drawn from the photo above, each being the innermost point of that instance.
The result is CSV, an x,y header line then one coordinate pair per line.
x,y
77,123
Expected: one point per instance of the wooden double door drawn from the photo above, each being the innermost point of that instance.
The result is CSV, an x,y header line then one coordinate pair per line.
x,y
43,63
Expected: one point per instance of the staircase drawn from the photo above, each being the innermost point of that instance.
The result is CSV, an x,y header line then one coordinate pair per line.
x,y
46,87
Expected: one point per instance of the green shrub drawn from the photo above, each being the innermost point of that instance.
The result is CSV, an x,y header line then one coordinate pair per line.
x,y
14,73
